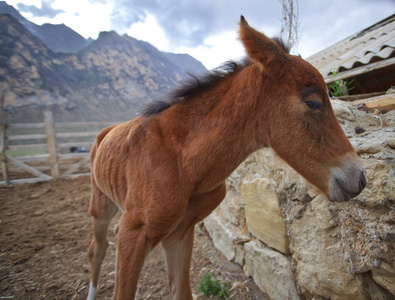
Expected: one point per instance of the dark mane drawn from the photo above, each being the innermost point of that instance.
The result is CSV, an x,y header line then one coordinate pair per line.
x,y
196,85
282,44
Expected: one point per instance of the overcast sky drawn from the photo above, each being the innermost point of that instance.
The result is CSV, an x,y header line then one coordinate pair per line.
x,y
207,29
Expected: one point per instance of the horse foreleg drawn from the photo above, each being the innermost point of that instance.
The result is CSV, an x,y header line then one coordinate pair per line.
x,y
178,249
132,249
179,244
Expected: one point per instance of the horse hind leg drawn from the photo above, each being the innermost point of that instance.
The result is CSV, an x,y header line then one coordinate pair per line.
x,y
134,242
102,210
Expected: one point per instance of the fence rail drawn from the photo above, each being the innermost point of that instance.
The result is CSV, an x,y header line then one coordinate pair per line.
x,y
54,141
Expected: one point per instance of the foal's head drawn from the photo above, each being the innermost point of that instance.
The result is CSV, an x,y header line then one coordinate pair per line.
x,y
296,117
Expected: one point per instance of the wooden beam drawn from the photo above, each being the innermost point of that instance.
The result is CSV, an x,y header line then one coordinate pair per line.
x,y
27,125
73,155
3,157
26,137
380,103
49,130
45,157
39,157
27,168
361,96
84,124
30,146
63,124
76,134
25,180
79,175
42,169
82,144
360,70
75,167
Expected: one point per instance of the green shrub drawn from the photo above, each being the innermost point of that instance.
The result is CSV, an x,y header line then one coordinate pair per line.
x,y
209,287
339,88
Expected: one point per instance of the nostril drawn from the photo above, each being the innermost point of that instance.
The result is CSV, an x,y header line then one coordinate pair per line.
x,y
362,181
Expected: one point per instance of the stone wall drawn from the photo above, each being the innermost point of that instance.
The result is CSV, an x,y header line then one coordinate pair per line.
x,y
298,245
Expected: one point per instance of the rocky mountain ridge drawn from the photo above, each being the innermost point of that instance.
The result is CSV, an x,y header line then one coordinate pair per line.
x,y
111,79
58,38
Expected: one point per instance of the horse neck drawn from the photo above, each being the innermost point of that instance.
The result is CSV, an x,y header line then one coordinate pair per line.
x,y
220,128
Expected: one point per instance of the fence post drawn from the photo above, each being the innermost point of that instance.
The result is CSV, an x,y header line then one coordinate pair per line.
x,y
51,141
3,127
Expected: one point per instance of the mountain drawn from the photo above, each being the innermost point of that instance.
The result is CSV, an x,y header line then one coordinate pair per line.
x,y
110,79
186,63
58,38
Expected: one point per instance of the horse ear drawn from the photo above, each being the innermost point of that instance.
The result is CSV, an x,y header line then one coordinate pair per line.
x,y
259,47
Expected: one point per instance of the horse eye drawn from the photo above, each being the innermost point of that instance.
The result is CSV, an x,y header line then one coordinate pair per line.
x,y
314,104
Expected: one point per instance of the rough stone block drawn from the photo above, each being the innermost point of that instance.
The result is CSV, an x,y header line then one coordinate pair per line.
x,y
322,269
221,235
263,214
342,111
232,208
385,276
271,271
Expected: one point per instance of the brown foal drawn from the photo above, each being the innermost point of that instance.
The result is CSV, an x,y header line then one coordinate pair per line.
x,y
166,169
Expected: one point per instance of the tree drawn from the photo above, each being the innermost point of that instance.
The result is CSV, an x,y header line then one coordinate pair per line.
x,y
289,22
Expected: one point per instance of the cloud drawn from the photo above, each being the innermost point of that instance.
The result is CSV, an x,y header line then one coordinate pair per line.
x,y
190,23
184,22
125,14
173,25
46,9
151,32
216,50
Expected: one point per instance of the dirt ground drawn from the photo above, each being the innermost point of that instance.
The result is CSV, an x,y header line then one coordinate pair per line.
x,y
45,230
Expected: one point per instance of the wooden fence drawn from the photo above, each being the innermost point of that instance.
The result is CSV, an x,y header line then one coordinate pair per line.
x,y
53,142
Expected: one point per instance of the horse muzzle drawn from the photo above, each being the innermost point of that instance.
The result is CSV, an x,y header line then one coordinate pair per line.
x,y
347,181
